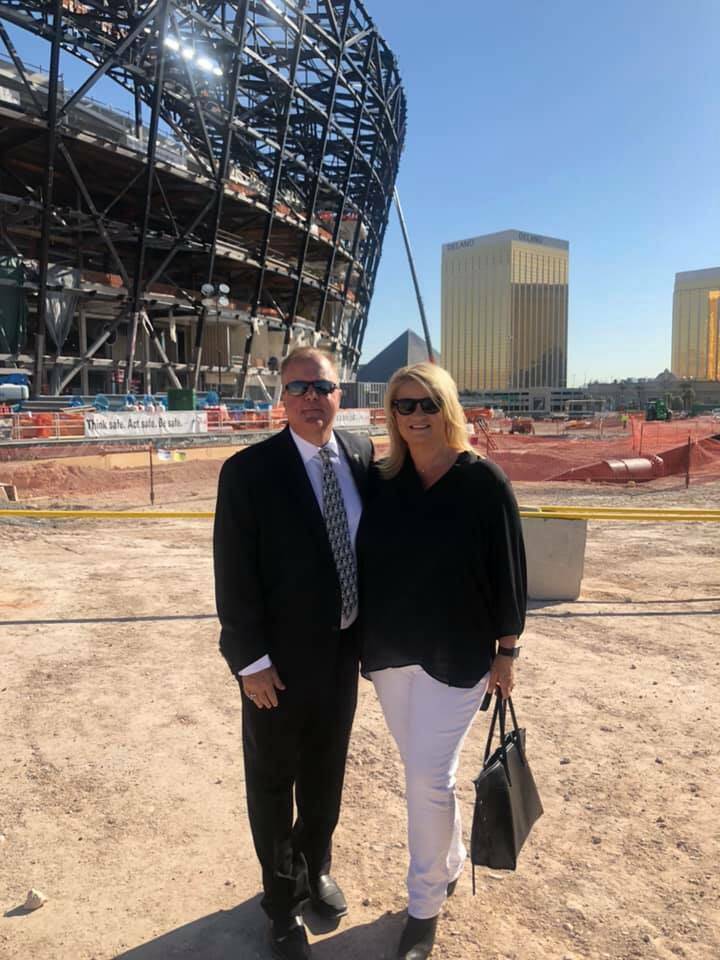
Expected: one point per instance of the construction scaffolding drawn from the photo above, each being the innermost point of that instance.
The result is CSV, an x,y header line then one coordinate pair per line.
x,y
237,209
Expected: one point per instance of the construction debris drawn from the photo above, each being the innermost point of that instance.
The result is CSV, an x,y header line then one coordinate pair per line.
x,y
34,900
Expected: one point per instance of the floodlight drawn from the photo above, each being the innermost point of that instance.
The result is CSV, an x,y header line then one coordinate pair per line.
x,y
217,71
223,288
172,43
188,53
223,302
205,64
207,290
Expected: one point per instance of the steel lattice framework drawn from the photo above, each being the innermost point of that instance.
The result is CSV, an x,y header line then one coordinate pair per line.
x,y
263,153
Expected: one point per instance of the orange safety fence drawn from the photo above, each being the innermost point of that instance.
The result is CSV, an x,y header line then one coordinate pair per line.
x,y
42,426
551,453
272,419
658,435
580,450
63,424
542,459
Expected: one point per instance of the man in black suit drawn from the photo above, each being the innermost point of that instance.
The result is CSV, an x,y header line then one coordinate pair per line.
x,y
286,588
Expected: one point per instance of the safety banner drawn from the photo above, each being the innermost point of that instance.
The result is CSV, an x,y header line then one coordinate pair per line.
x,y
130,424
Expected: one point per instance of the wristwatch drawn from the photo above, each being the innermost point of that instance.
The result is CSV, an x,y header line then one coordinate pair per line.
x,y
513,652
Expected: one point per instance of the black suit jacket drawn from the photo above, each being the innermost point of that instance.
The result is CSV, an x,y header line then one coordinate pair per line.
x,y
276,585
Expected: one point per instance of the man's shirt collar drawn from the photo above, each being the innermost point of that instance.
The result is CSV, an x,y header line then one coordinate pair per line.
x,y
308,450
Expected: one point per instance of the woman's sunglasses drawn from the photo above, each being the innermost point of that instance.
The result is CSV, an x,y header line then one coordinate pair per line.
x,y
298,388
407,405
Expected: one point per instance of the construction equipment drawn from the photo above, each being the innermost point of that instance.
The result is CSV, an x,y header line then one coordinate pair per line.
x,y
658,410
482,429
522,425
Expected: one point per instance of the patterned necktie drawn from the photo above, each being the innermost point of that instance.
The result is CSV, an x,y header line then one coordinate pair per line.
x,y
336,522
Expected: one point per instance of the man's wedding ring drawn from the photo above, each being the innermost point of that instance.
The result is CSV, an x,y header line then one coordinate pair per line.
x,y
253,696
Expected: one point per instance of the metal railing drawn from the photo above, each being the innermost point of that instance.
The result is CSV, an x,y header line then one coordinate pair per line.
x,y
60,425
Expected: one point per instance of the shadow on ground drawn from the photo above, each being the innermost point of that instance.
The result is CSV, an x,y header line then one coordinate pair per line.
x,y
18,912
242,934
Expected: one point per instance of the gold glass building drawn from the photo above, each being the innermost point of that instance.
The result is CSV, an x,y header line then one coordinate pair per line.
x,y
505,311
696,324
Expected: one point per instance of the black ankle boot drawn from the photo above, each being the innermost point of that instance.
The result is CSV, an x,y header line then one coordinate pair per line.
x,y
418,939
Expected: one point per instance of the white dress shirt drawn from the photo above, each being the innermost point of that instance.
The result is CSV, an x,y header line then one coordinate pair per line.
x,y
353,507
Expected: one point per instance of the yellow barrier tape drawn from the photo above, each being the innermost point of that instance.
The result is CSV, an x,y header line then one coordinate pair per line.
x,y
641,513
634,514
626,516
647,510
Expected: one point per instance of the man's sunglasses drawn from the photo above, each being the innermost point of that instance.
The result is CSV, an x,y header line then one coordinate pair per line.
x,y
407,405
298,388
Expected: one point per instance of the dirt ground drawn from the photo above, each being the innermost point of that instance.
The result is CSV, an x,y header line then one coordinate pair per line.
x,y
121,790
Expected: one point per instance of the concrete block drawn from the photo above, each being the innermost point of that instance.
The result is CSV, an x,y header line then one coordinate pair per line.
x,y
8,491
555,557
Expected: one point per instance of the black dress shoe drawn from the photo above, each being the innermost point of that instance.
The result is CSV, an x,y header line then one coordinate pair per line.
x,y
451,887
289,940
327,898
418,939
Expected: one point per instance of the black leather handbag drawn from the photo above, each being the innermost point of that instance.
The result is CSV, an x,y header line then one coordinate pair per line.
x,y
507,802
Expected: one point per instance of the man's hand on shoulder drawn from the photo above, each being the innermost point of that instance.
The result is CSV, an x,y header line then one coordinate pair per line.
x,y
261,688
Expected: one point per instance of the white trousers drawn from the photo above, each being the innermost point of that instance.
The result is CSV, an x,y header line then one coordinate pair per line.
x,y
429,721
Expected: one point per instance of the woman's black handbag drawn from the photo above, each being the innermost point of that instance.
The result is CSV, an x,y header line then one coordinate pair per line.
x,y
507,802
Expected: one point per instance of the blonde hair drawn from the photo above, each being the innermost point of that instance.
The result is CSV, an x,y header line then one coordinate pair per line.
x,y
442,388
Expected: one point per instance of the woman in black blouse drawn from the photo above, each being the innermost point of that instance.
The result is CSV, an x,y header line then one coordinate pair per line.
x,y
442,568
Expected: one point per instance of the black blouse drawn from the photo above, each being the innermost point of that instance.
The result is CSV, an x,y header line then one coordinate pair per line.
x,y
442,571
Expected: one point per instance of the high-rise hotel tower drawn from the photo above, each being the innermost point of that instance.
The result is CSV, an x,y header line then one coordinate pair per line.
x,y
505,311
696,324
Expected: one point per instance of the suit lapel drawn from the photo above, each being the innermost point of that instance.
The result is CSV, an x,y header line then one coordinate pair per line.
x,y
300,488
358,469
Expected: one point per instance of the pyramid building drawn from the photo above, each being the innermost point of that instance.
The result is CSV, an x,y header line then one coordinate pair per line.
x,y
406,349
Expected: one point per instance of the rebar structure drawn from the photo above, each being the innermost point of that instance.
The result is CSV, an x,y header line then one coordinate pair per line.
x,y
260,151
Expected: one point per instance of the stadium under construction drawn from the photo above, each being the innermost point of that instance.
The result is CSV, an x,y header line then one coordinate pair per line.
x,y
229,203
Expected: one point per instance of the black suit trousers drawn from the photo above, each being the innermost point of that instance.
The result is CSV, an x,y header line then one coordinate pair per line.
x,y
299,747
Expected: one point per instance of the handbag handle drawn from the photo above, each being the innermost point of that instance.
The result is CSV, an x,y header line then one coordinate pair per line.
x,y
499,717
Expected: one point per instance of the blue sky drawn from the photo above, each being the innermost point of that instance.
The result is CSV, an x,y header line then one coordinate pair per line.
x,y
595,122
